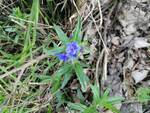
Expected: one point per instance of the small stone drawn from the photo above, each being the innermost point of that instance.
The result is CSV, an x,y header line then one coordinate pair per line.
x,y
138,75
130,29
141,43
115,41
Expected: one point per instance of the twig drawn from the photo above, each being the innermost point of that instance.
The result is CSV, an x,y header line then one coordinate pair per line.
x,y
90,12
97,67
104,49
76,7
100,12
97,28
104,76
18,79
105,41
29,63
28,21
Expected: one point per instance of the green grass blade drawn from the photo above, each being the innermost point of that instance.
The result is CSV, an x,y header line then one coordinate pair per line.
x,y
35,14
30,35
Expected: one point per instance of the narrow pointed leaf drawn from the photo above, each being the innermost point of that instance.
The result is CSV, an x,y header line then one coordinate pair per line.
x,y
83,79
67,77
61,35
96,93
78,30
58,76
54,51
91,109
77,106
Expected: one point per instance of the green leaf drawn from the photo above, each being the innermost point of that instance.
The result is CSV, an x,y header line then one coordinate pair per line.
x,y
96,95
45,79
91,109
77,106
63,70
67,77
78,30
2,97
83,79
143,94
80,96
61,35
56,84
111,107
105,102
54,51
49,109
106,94
115,100
60,98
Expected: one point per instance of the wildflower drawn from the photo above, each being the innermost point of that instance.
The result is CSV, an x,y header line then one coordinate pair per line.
x,y
72,49
62,57
71,52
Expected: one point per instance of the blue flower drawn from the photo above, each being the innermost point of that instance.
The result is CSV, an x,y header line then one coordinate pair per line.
x,y
62,56
71,52
72,49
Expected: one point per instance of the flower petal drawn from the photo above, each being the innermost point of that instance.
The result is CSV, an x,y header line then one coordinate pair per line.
x,y
72,49
62,56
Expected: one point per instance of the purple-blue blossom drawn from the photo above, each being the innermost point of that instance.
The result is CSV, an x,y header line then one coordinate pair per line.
x,y
71,52
62,56
72,49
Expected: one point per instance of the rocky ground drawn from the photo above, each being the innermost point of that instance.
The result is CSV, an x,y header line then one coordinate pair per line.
x,y
125,30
